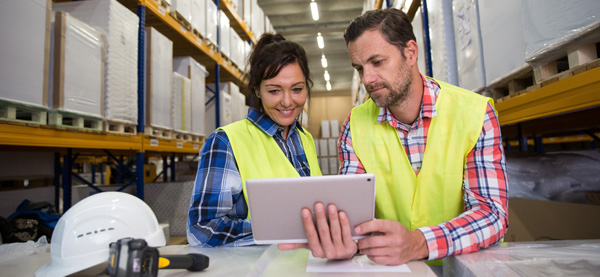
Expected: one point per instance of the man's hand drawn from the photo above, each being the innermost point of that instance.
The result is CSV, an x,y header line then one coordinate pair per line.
x,y
393,244
331,240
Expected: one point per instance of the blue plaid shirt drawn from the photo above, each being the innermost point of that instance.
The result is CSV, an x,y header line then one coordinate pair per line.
x,y
218,211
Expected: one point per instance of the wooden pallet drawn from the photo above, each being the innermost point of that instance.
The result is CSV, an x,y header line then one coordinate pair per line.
x,y
181,20
62,118
187,136
119,127
530,78
158,132
23,113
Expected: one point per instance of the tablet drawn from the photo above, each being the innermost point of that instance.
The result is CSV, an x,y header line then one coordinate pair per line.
x,y
275,203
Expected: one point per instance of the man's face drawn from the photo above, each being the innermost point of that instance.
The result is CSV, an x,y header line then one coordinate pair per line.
x,y
382,68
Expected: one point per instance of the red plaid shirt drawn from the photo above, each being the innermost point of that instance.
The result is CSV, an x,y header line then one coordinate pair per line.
x,y
485,219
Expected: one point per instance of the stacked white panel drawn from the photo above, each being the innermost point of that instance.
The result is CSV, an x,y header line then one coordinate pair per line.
x,y
224,34
183,8
247,12
334,166
212,19
24,34
323,147
335,128
468,45
76,66
324,164
182,103
159,62
550,26
332,147
197,73
120,26
199,16
502,36
325,129
225,108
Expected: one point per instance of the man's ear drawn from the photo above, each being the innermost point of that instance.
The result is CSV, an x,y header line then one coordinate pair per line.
x,y
411,51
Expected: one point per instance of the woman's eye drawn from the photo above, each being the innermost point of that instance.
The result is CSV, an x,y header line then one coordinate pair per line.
x,y
273,91
298,89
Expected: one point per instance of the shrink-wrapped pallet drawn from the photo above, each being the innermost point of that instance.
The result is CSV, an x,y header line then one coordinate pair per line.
x,y
224,34
159,68
24,58
199,16
76,67
225,108
212,20
469,54
120,27
197,73
182,107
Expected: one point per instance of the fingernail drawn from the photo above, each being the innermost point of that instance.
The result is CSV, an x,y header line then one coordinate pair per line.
x,y
357,230
342,215
318,208
331,209
305,213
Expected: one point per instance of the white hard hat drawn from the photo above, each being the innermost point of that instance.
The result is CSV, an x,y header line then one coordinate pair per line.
x,y
82,235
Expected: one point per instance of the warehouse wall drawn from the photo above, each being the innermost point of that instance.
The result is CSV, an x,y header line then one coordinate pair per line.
x,y
328,105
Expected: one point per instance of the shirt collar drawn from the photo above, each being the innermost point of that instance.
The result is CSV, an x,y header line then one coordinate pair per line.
x,y
268,125
431,90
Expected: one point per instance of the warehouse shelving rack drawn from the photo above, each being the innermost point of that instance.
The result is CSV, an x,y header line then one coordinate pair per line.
x,y
73,143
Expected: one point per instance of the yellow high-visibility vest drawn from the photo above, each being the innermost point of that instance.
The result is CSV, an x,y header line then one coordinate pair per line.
x,y
435,195
259,156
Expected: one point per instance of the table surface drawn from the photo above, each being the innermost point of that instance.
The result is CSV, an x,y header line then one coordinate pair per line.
x,y
224,261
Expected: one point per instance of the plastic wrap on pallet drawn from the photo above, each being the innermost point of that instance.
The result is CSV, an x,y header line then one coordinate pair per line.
x,y
225,108
247,13
197,73
182,103
76,66
469,55
199,16
417,24
183,8
551,27
441,34
502,35
258,19
224,34
212,19
24,32
536,258
159,64
237,49
236,100
121,28
562,176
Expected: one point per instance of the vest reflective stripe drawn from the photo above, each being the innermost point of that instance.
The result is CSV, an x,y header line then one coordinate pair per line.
x,y
435,196
259,156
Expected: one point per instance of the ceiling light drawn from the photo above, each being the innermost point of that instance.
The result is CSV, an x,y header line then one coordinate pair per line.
x,y
328,85
324,61
326,75
315,10
320,41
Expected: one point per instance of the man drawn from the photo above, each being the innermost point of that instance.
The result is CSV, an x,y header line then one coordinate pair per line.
x,y
436,151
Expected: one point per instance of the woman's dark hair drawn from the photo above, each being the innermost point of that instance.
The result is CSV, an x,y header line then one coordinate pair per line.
x,y
270,54
392,23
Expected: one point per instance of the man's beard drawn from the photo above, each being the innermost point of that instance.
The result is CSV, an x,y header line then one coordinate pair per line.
x,y
397,95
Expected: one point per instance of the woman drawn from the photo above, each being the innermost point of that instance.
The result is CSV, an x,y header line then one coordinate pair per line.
x,y
252,148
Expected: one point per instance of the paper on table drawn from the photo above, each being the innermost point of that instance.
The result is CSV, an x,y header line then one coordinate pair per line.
x,y
357,264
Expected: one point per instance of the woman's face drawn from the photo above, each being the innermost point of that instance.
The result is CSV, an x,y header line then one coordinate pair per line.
x,y
283,96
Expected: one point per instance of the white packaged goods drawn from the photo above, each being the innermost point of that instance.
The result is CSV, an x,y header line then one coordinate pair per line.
x,y
258,19
468,45
233,90
24,58
224,35
182,107
417,24
199,16
333,166
502,37
197,73
441,34
332,147
335,128
120,27
159,68
323,147
183,8
247,14
76,67
237,49
324,164
243,110
552,26
225,108
212,18
325,129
